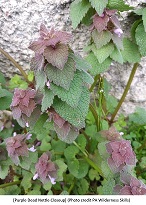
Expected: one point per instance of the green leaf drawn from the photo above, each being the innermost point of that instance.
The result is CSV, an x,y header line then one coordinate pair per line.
x,y
93,174
26,181
73,166
111,103
41,79
119,5
80,63
11,190
86,77
117,56
106,170
87,19
17,82
45,145
30,76
81,141
75,116
108,186
47,100
102,150
61,169
71,96
47,186
77,11
97,68
101,38
5,99
83,169
70,152
2,79
61,77
130,53
58,146
99,5
83,187
140,36
4,169
139,116
38,128
144,18
104,52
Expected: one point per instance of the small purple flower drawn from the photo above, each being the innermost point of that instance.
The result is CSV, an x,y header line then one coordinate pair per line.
x,y
132,186
118,31
16,147
23,104
121,153
46,170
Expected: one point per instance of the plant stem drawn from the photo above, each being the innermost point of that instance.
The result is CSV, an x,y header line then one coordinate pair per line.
x,y
84,152
16,64
9,184
92,164
94,83
96,117
125,92
72,186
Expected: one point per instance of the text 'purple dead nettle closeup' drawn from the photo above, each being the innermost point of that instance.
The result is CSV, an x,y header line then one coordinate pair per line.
x,y
16,147
46,170
121,154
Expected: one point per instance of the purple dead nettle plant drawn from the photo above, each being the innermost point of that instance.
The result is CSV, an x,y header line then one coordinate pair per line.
x,y
23,104
131,185
109,25
46,170
52,46
16,147
121,154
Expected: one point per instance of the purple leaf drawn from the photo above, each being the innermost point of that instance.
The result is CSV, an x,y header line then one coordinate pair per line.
x,y
57,55
100,23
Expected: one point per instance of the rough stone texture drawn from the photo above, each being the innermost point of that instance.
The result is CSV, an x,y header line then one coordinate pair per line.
x,y
19,23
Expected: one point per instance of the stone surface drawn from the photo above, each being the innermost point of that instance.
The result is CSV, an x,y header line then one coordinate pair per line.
x,y
19,23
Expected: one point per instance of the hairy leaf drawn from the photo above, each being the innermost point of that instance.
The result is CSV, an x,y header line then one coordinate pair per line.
x,y
5,99
87,20
104,52
39,129
101,38
140,36
57,56
2,79
108,186
47,100
75,116
130,53
61,77
119,5
61,169
77,11
99,5
139,116
41,79
117,56
97,68
100,22
86,78
80,63
71,96
144,18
